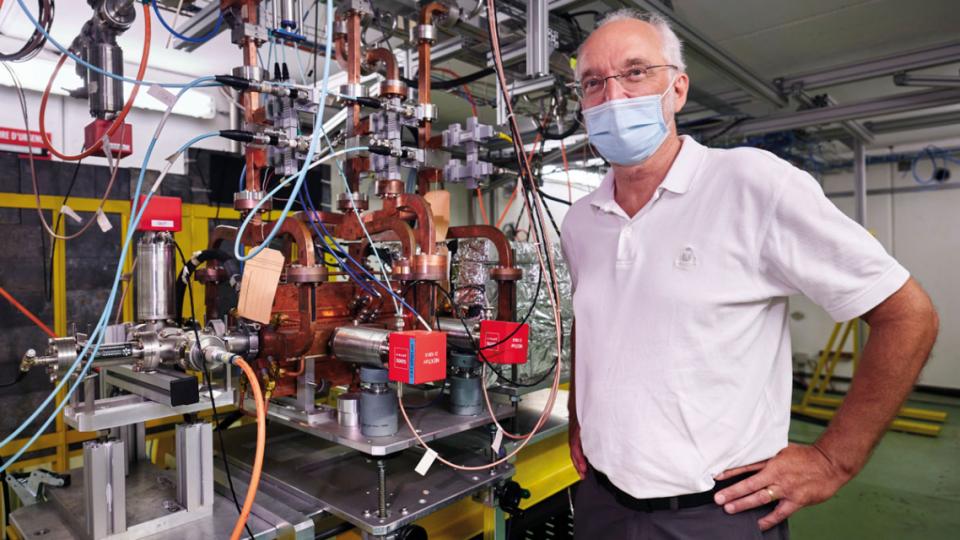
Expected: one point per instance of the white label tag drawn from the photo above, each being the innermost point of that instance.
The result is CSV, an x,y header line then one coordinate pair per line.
x,y
161,223
425,462
107,148
103,221
162,95
69,212
497,441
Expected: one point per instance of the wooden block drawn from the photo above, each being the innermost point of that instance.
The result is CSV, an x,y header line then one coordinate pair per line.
x,y
440,205
261,275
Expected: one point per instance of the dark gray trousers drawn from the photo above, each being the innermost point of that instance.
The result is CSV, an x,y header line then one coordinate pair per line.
x,y
598,516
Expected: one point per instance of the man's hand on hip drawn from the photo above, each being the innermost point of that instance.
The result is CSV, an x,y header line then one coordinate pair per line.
x,y
576,451
798,476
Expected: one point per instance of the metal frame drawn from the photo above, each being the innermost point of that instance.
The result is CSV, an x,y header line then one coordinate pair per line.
x,y
872,68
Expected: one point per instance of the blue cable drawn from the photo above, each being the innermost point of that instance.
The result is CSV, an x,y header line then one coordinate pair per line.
x,y
107,309
243,175
326,234
330,250
92,67
932,153
308,160
98,333
203,39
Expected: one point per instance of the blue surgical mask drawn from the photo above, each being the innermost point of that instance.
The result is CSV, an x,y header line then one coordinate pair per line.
x,y
628,131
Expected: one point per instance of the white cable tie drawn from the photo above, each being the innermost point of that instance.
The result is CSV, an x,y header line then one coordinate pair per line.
x,y
426,461
497,441
162,95
103,221
71,214
106,146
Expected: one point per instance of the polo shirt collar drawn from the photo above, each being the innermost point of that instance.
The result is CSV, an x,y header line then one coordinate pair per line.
x,y
678,179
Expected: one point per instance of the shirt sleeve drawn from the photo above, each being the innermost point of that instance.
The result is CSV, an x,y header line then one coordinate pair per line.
x,y
811,247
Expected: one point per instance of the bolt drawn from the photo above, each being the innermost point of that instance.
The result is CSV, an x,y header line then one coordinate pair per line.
x,y
366,513
404,511
423,501
41,532
382,487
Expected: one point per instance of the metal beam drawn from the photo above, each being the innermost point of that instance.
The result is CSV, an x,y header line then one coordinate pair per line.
x,y
714,55
865,109
946,53
855,129
939,81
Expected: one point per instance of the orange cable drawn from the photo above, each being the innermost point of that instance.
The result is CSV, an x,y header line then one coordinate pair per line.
x,y
513,195
483,210
27,313
118,121
261,445
566,168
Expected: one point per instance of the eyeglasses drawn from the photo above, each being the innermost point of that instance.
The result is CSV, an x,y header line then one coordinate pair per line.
x,y
632,79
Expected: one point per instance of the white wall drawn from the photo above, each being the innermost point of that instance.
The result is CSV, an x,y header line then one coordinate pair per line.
x,y
922,230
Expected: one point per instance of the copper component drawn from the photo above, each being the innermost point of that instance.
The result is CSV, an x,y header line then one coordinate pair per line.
x,y
381,54
402,270
210,274
505,274
244,201
389,188
432,267
306,274
346,202
391,88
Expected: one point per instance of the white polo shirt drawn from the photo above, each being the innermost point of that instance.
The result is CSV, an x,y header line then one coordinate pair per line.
x,y
683,360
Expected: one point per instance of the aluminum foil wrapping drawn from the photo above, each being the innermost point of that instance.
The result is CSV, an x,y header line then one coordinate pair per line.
x,y
543,339
473,289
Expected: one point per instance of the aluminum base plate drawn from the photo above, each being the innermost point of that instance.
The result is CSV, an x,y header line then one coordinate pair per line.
x,y
432,422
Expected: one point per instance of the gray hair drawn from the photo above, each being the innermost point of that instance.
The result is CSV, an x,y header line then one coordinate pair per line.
x,y
672,46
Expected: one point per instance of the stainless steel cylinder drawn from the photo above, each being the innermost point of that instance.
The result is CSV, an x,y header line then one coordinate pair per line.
x,y
348,410
155,277
289,18
365,345
456,334
106,94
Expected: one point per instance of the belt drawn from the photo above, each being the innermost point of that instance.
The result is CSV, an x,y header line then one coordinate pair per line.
x,y
663,503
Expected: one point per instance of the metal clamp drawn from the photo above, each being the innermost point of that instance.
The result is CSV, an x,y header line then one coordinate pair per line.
x,y
427,33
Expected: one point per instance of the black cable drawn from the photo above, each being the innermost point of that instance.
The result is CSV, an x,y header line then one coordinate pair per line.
x,y
449,84
213,404
547,196
479,350
574,126
56,226
16,380
35,43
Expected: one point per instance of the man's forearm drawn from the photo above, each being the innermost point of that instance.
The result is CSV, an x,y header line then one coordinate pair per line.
x,y
901,337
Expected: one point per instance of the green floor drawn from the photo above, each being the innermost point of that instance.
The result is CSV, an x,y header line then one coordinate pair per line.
x,y
909,489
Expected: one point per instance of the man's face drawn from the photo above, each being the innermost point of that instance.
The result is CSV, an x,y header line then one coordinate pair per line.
x,y
618,46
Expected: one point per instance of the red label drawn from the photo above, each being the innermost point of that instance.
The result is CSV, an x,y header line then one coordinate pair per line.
x,y
162,214
418,356
20,138
507,341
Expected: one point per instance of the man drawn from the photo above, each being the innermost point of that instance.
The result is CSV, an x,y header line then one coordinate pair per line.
x,y
682,261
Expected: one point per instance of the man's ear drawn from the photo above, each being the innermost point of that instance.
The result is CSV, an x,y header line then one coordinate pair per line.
x,y
681,88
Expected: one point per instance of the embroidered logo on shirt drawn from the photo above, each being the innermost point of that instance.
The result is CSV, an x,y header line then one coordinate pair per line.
x,y
687,260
